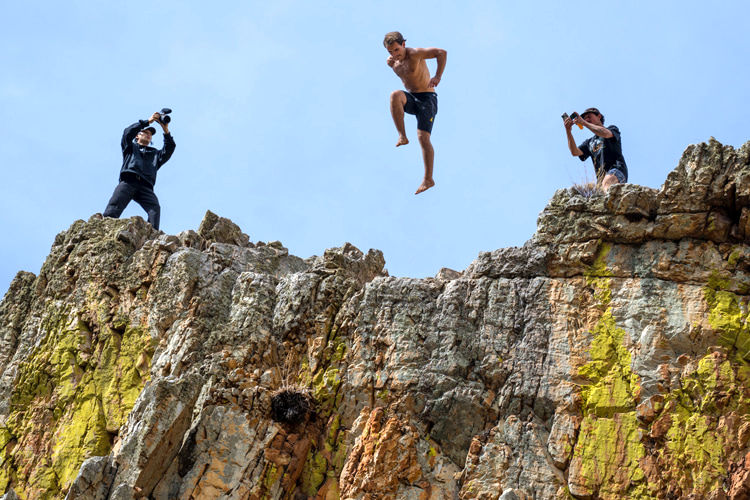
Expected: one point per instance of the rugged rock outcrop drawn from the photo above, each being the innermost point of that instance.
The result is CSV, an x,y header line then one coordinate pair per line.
x,y
606,358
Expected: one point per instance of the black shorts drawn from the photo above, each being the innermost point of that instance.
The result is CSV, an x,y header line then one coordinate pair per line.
x,y
424,106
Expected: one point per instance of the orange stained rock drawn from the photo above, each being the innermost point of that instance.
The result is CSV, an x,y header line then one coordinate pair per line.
x,y
382,460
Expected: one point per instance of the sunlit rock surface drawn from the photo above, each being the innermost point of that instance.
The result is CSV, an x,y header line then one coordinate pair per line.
x,y
606,358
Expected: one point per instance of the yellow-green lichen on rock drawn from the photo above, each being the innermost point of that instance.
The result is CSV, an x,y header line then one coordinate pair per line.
x,y
712,402
609,445
70,397
324,465
729,317
614,386
270,476
705,417
698,431
326,381
314,472
5,438
608,450
598,276
335,446
325,385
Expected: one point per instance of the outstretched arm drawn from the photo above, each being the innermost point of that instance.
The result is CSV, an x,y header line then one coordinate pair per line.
x,y
601,131
434,53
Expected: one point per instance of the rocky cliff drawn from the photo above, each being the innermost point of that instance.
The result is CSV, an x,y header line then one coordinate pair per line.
x,y
606,358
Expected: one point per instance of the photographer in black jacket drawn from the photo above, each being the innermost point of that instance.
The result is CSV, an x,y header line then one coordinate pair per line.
x,y
140,163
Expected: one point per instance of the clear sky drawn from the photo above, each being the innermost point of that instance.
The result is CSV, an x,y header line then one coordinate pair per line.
x,y
282,123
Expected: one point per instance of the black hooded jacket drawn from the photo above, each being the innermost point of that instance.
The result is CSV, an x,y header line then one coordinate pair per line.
x,y
143,160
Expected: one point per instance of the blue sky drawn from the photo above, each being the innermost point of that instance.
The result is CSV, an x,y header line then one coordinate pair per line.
x,y
282,123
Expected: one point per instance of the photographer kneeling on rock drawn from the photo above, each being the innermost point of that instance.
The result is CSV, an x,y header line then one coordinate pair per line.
x,y
604,148
140,163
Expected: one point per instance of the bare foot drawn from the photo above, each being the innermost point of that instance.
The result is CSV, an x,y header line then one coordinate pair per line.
x,y
402,141
426,184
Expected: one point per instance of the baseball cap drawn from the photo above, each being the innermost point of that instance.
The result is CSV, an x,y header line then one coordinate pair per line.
x,y
591,110
149,129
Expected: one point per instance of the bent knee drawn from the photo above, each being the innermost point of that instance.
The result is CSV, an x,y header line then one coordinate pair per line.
x,y
398,96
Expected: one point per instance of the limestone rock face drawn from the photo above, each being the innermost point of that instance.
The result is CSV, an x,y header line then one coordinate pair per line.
x,y
609,357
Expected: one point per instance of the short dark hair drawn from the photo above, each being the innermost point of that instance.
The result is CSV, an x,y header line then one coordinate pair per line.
x,y
393,37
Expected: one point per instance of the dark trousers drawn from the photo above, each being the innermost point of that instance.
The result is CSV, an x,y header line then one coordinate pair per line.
x,y
142,193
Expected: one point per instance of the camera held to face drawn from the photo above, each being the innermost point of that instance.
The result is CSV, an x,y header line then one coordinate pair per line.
x,y
165,118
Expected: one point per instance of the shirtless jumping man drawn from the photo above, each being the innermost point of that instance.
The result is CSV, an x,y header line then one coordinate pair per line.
x,y
419,98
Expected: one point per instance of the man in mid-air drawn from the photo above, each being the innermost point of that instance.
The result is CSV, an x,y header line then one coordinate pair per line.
x,y
419,98
604,147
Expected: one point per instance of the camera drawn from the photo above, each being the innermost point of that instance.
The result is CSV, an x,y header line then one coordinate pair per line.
x,y
165,118
572,116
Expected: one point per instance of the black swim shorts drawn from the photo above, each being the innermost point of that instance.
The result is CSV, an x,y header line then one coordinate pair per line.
x,y
424,106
